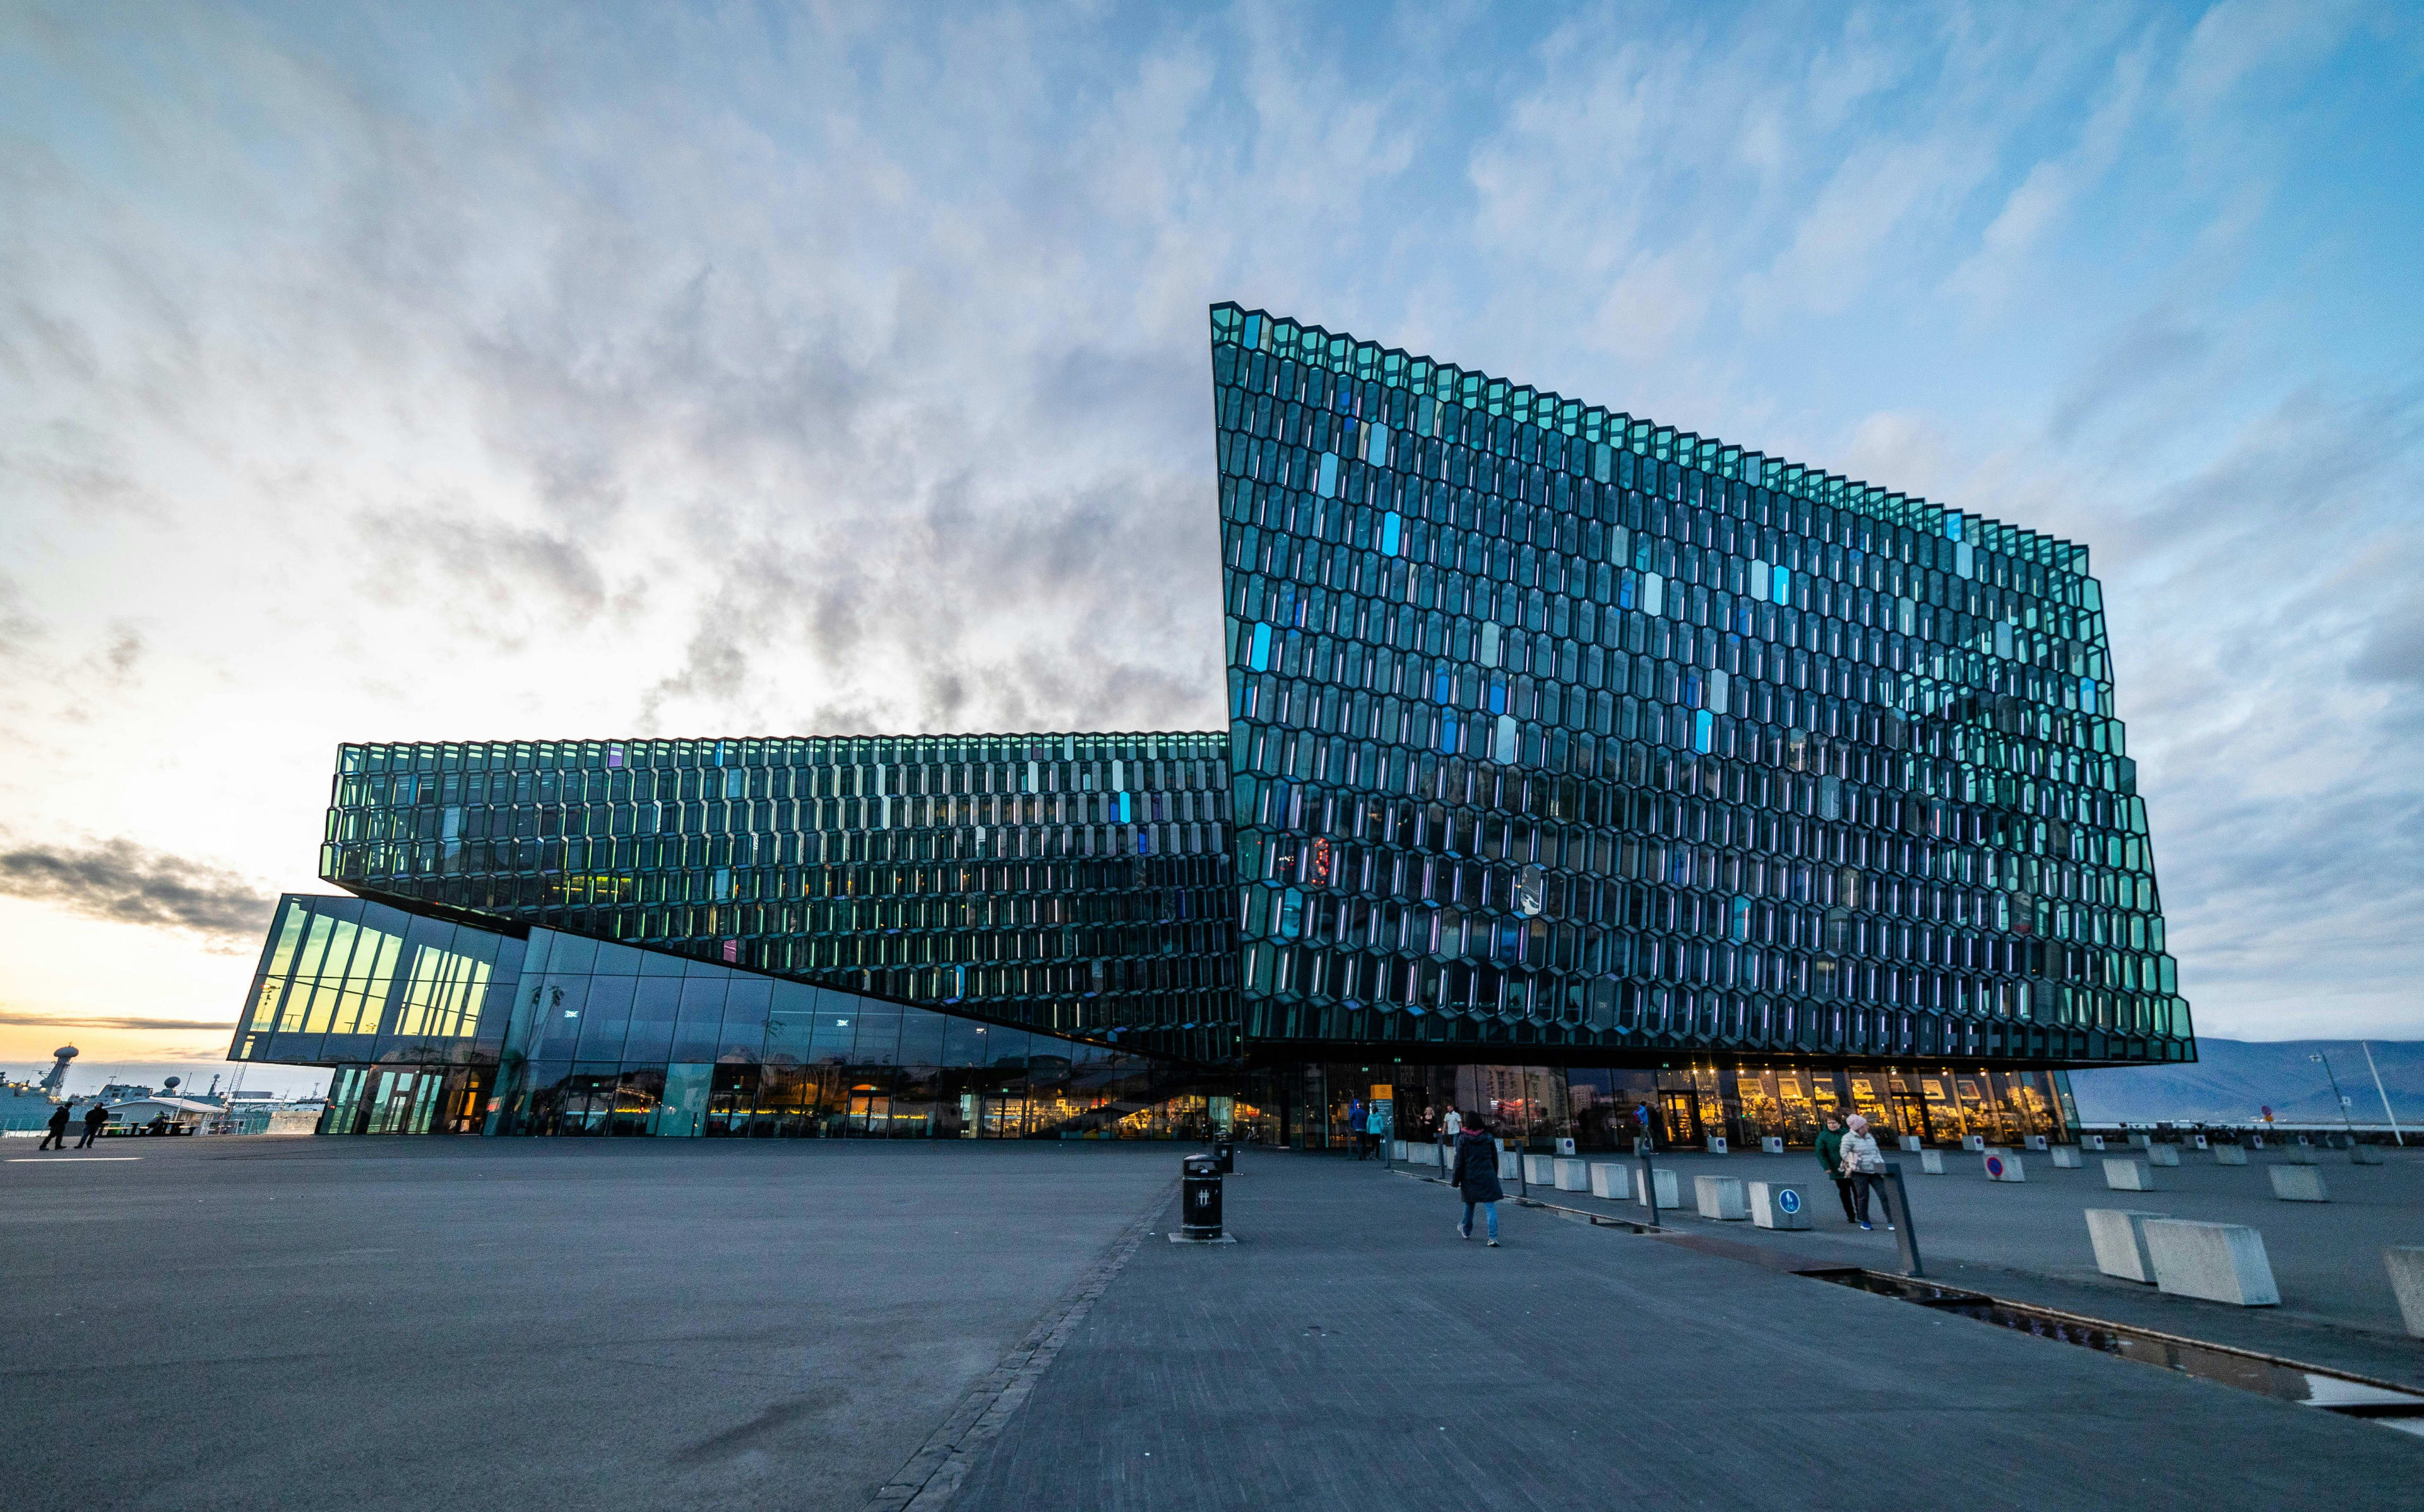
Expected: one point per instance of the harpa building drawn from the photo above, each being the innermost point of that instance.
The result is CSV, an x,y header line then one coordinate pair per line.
x,y
1578,769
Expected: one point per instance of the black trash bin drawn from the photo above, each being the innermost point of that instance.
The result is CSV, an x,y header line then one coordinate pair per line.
x,y
1199,1199
1225,1153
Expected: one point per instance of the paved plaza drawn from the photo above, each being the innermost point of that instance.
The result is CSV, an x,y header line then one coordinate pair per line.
x,y
2028,1241
292,1323
308,1323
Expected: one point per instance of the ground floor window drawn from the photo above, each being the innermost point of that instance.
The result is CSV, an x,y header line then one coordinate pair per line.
x,y
1314,1105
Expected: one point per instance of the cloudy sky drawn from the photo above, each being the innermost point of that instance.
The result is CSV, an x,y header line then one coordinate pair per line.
x,y
522,372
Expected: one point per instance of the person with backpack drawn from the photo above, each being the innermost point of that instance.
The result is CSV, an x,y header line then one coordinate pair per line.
x,y
1474,1175
1865,1166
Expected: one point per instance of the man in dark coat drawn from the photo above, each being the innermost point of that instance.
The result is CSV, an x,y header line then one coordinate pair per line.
x,y
96,1119
1476,1176
58,1126
1830,1155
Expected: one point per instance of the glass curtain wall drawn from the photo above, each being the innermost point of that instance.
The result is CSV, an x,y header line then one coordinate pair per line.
x,y
1074,883
1557,726
434,1027
1603,1108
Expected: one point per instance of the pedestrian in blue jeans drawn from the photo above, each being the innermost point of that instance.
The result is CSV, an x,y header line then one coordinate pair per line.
x,y
1476,1176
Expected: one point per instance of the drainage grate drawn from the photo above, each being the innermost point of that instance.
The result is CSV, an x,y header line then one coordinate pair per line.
x,y
2284,1380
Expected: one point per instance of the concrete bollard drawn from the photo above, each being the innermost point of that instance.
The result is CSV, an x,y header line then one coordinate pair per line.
x,y
1931,1162
2300,1155
1974,1143
2065,1156
2142,1142
1608,1179
2036,1141
2229,1154
1670,1194
2127,1176
1565,1147
1510,1165
1572,1175
2003,1165
2255,1141
1911,1144
1720,1197
2298,1184
1772,1144
2362,1153
2163,1154
1717,1144
1777,1205
2199,1140
2119,1235
2406,1262
2092,1142
1539,1171
1398,1149
2214,1262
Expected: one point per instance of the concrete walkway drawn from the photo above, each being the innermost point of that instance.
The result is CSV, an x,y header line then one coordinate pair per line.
x,y
2028,1242
1350,1352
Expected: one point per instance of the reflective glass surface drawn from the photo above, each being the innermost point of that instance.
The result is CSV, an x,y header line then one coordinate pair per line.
x,y
1077,883
567,1034
1555,726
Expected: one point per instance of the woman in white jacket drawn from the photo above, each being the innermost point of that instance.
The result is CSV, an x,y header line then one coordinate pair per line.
x,y
1865,1167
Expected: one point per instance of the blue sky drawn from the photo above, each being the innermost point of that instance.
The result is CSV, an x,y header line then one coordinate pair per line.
x,y
407,372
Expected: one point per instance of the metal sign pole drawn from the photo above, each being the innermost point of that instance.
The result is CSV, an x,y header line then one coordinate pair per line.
x,y
1650,1185
1898,1213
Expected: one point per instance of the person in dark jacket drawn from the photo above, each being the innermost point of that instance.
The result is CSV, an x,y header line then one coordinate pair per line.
x,y
1476,1176
1830,1155
96,1119
58,1126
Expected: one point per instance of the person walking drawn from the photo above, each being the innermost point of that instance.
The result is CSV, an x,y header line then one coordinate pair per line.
x,y
1831,1156
1355,1125
1474,1175
1865,1164
59,1127
1449,1128
96,1119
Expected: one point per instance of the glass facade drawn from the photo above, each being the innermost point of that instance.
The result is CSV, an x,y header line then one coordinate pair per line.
x,y
1075,883
1558,738
1604,1108
1555,727
441,1028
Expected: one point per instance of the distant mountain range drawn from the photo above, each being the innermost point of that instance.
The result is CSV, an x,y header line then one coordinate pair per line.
x,y
2234,1079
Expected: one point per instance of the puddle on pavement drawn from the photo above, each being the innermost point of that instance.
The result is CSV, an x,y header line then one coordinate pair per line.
x,y
2305,1384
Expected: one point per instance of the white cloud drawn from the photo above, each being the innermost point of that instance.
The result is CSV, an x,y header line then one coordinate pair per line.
x,y
556,373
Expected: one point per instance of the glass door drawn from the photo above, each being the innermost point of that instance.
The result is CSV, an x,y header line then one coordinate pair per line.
x,y
870,1114
1682,1117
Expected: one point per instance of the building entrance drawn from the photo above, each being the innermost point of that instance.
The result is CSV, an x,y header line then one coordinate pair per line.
x,y
1681,1115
